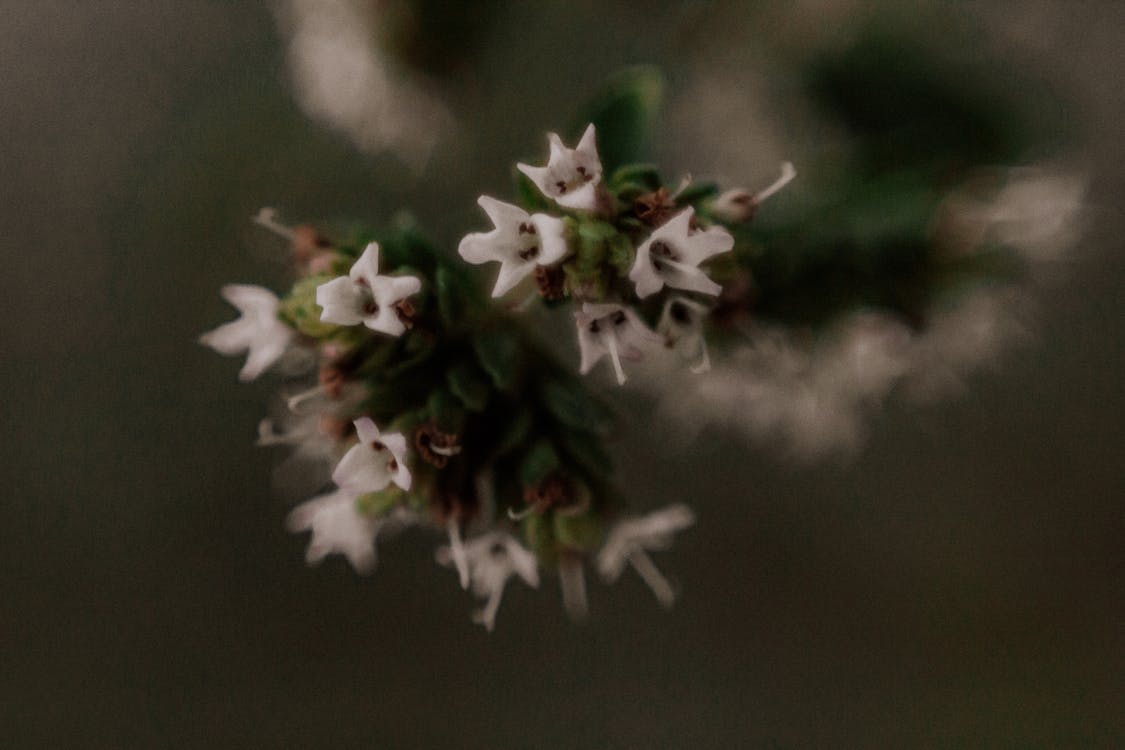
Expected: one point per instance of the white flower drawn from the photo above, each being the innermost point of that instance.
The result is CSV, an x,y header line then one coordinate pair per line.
x,y
628,540
258,331
492,559
610,329
681,326
572,176
339,528
739,205
672,254
363,296
520,241
375,462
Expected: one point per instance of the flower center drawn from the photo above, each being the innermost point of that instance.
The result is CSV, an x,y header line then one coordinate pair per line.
x,y
581,176
661,250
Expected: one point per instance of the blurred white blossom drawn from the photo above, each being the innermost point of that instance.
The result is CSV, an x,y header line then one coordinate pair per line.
x,y
258,331
629,540
491,559
342,78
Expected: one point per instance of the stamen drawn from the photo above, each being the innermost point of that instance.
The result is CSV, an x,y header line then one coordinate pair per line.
x,y
685,181
705,363
611,344
787,174
267,218
644,566
573,583
561,186
487,616
451,450
457,550
295,402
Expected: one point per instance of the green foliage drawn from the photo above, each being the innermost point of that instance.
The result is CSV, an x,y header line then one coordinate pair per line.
x,y
540,461
623,112
499,353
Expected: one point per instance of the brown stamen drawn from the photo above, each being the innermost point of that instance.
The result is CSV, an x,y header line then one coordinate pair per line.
x,y
551,281
427,438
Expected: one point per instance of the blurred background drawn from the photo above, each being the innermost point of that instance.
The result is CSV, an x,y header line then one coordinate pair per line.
x,y
958,583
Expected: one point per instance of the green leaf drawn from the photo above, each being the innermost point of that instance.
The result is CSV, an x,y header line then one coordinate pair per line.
x,y
696,192
574,406
516,432
469,384
528,194
623,113
446,411
586,450
645,176
540,460
498,351
450,295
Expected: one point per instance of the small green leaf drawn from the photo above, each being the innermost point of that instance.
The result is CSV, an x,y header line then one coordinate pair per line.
x,y
515,433
498,351
450,295
697,191
528,194
446,411
645,176
587,452
540,460
623,113
570,402
469,384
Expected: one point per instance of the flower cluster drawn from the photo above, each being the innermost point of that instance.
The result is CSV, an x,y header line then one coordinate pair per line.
x,y
622,246
435,406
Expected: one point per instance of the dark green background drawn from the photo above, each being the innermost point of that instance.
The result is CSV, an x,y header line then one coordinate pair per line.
x,y
960,584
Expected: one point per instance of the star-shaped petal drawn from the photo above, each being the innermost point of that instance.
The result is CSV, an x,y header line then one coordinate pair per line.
x,y
520,242
572,175
364,296
492,559
611,329
628,541
375,462
672,254
259,331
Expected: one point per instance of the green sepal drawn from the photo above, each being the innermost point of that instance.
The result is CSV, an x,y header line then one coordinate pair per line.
x,y
299,308
469,384
540,537
623,113
581,532
621,254
376,504
498,352
538,463
575,407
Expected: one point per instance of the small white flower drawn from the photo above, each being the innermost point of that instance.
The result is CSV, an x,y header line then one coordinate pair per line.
x,y
258,331
681,326
339,528
363,296
672,254
491,559
572,176
375,462
629,539
739,205
610,329
520,241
